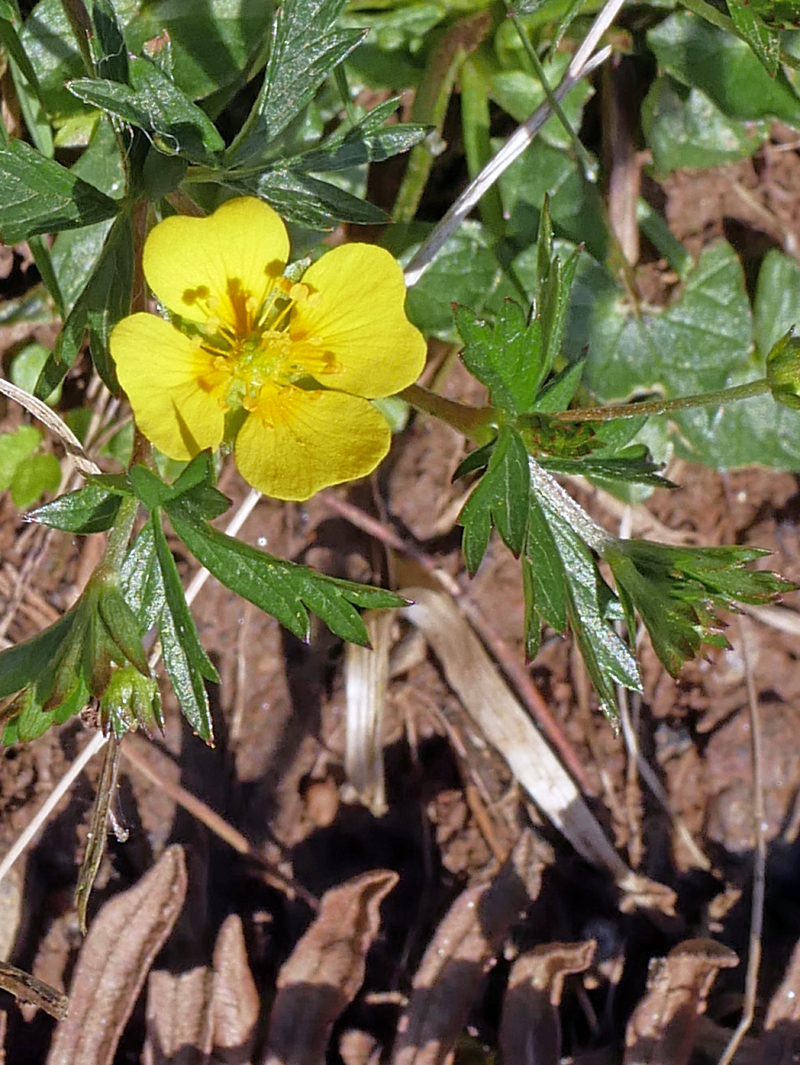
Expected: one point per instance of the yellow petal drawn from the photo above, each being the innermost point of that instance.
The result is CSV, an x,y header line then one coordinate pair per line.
x,y
174,389
235,253
355,322
297,442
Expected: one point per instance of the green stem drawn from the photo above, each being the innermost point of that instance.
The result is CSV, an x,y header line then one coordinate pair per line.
x,y
663,406
478,423
588,164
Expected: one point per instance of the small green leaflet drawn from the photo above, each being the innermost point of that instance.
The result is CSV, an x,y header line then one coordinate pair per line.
x,y
506,356
500,497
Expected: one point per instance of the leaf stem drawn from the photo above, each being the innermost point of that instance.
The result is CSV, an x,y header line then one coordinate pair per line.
x,y
663,406
478,423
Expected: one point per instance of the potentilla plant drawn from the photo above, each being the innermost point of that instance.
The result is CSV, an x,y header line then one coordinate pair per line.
x,y
276,353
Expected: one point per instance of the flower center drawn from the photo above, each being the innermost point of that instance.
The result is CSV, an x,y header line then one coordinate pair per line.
x,y
253,345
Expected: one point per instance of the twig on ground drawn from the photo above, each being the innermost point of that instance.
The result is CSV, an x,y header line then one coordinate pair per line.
x,y
759,858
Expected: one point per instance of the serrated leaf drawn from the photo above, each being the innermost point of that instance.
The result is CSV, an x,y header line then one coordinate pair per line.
x,y
590,613
280,588
764,40
506,357
186,681
311,202
107,43
544,580
90,509
102,303
500,498
183,622
38,195
140,579
153,103
306,47
366,142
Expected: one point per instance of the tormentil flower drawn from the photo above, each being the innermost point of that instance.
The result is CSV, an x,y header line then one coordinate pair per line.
x,y
293,365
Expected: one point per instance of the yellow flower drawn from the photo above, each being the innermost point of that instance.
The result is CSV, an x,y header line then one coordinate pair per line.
x,y
293,365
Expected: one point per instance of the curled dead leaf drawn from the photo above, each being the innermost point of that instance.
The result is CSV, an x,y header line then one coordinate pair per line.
x,y
663,1027
127,933
325,970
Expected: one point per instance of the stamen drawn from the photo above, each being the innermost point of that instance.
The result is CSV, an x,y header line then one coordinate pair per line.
x,y
211,325
299,292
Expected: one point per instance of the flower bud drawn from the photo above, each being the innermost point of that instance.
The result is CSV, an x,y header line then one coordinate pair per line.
x,y
783,370
130,701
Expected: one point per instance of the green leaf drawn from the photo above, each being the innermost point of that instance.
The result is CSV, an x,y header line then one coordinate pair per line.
x,y
465,271
14,449
33,477
104,301
140,579
500,498
153,103
674,588
90,509
282,589
122,627
108,43
22,664
685,129
543,581
211,43
38,195
724,67
764,40
591,609
306,47
777,304
187,682
362,143
560,390
183,622
51,47
310,202
576,206
506,357
703,341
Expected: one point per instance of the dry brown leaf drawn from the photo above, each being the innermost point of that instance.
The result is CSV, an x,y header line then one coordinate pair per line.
x,y
530,1029
366,680
490,703
123,940
781,1041
325,970
460,954
234,997
203,1016
663,1027
178,1018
